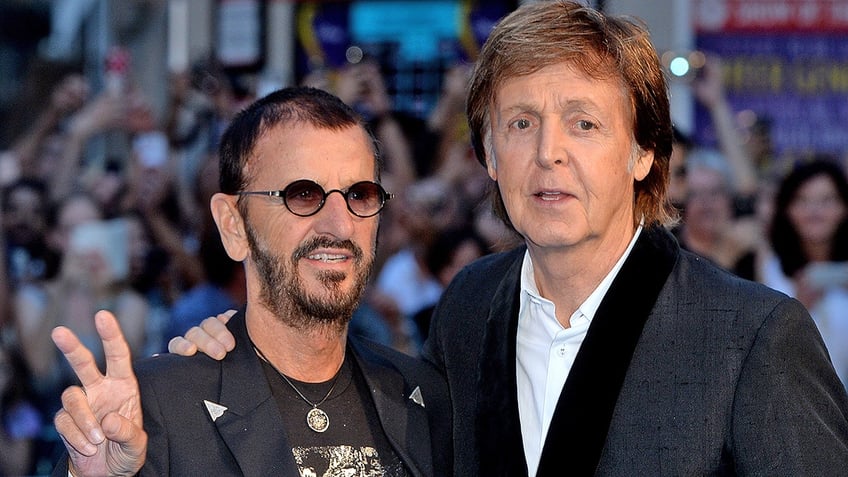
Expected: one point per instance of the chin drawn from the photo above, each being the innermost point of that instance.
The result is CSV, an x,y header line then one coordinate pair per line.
x,y
561,236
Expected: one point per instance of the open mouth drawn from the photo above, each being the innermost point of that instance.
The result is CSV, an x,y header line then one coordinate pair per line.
x,y
549,195
327,257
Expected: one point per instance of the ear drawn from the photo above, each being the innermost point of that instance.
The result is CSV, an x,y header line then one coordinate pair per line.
x,y
643,164
491,164
230,225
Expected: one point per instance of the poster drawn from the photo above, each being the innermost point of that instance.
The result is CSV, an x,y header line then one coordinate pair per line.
x,y
785,61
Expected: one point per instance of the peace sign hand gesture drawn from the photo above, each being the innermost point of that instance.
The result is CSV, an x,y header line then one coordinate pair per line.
x,y
101,421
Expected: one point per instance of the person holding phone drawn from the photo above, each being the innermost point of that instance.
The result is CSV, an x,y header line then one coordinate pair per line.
x,y
93,275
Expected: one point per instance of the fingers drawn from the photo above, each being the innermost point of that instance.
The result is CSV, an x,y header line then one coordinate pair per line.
x,y
131,437
77,355
211,337
181,346
225,316
205,340
115,347
116,350
77,424
217,328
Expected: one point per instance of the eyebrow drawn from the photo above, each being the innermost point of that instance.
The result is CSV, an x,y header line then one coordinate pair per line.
x,y
584,104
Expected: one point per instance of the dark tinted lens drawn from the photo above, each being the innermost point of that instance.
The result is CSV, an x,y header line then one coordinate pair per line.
x,y
365,198
303,197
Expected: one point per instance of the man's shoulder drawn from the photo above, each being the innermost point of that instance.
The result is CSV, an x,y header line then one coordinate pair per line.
x,y
709,278
376,353
166,367
696,280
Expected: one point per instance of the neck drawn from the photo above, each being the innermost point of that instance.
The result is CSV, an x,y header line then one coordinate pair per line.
x,y
567,276
311,355
817,251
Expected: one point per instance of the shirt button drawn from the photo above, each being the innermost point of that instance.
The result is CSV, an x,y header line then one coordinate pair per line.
x,y
561,351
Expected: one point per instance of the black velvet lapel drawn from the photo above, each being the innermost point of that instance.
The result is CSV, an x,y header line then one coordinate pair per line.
x,y
498,429
581,420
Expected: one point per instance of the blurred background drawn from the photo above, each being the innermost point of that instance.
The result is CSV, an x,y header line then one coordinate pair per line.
x,y
110,113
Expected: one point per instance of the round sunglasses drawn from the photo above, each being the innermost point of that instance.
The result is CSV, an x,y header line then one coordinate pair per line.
x,y
305,197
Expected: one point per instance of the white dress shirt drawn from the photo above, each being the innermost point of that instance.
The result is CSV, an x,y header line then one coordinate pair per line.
x,y
546,352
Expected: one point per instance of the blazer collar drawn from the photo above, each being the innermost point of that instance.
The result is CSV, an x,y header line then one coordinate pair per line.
x,y
251,426
497,423
586,404
404,422
581,420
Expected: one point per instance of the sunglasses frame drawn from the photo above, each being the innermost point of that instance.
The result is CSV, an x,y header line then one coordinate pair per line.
x,y
281,194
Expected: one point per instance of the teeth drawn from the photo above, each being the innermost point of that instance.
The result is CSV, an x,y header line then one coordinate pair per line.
x,y
548,195
327,257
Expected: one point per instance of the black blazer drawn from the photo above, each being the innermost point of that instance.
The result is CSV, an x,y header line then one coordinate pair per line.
x,y
685,370
248,438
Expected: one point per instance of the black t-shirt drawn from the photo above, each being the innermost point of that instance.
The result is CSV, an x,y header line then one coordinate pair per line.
x,y
354,442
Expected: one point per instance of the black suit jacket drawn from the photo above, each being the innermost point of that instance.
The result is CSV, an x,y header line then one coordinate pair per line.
x,y
248,438
685,370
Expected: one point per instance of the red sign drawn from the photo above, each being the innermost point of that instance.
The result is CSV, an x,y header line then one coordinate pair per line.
x,y
771,15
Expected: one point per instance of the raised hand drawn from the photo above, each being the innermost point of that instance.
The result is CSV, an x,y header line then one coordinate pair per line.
x,y
709,85
101,420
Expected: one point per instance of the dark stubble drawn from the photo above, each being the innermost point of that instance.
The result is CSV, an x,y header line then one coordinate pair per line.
x,y
283,292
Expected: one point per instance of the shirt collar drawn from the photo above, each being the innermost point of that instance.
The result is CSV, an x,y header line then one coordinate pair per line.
x,y
590,306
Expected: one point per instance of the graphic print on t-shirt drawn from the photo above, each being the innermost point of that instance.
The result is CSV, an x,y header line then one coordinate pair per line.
x,y
354,443
338,461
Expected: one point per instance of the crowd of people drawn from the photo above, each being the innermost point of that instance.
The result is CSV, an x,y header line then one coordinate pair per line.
x,y
106,206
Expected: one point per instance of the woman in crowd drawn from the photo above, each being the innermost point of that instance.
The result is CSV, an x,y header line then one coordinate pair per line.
x,y
710,225
809,240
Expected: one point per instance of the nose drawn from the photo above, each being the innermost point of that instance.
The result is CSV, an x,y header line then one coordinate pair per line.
x,y
551,145
334,218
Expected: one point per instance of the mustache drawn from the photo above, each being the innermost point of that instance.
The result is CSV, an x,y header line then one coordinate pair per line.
x,y
309,246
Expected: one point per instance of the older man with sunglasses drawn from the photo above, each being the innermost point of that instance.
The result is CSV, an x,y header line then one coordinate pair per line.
x,y
298,396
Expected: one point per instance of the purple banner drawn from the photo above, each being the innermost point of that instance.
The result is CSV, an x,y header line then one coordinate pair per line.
x,y
797,81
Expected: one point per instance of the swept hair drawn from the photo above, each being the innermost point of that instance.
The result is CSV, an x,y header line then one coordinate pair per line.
x,y
542,34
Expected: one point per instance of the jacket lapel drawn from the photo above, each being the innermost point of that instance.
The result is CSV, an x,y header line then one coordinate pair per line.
x,y
581,420
404,423
498,428
251,426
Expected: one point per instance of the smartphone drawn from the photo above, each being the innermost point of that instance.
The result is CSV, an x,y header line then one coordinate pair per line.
x,y
109,238
151,149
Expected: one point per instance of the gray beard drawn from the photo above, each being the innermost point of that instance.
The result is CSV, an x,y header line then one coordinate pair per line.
x,y
283,293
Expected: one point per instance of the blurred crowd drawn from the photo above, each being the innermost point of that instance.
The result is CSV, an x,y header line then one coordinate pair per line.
x,y
105,206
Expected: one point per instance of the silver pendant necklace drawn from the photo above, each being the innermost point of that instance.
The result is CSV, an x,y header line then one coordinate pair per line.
x,y
316,418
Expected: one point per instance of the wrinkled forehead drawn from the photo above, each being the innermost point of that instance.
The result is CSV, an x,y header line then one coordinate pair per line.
x,y
592,66
561,91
